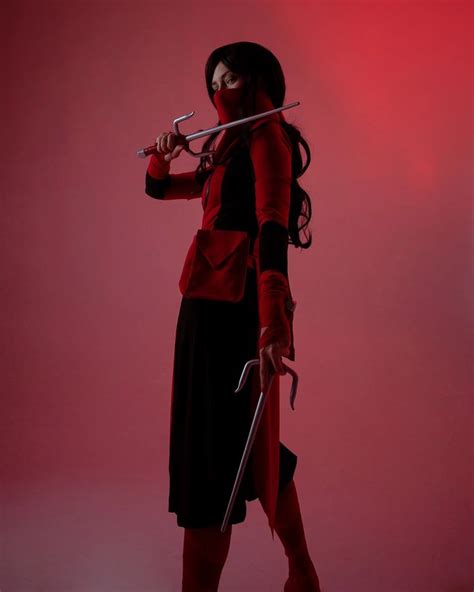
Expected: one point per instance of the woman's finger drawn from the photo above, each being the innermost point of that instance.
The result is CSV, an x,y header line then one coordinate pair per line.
x,y
158,142
267,369
162,142
175,152
163,147
171,140
275,352
265,379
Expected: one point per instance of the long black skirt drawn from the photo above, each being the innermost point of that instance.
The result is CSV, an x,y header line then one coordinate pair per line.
x,y
209,422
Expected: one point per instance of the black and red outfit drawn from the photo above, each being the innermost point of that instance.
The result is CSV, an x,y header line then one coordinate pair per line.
x,y
247,189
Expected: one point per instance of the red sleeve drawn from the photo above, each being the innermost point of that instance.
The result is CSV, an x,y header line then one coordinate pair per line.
x,y
270,150
271,158
160,184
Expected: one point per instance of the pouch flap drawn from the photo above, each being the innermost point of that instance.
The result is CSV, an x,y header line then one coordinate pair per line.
x,y
218,245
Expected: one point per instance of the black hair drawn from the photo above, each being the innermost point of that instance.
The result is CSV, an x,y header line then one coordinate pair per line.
x,y
260,67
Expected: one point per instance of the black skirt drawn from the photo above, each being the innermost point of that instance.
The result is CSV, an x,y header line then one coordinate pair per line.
x,y
209,422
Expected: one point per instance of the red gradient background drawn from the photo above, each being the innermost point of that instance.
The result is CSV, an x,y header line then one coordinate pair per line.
x,y
383,419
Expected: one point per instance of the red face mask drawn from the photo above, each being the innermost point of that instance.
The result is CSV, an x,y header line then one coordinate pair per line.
x,y
228,103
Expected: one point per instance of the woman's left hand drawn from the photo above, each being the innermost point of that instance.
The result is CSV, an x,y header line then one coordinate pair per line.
x,y
271,362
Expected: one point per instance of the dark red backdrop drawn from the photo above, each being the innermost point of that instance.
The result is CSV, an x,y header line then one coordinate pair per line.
x,y
383,424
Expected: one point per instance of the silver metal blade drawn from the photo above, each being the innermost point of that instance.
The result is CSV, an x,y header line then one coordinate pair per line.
x,y
211,130
245,456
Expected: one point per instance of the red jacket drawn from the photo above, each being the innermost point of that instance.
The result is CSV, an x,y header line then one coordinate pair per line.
x,y
250,190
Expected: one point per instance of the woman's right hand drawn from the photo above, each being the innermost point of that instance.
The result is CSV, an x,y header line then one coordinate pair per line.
x,y
170,144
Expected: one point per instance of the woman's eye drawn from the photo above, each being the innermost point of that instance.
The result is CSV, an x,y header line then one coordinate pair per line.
x,y
228,81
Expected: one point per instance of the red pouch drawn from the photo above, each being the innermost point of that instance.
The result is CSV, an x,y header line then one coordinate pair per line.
x,y
216,264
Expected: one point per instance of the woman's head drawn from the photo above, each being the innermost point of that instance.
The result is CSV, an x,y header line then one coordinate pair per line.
x,y
249,65
241,73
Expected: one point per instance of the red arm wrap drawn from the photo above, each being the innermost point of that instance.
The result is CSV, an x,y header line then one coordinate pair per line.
x,y
273,296
158,167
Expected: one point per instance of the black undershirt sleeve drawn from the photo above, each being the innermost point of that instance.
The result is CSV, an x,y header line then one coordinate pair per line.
x,y
273,247
156,187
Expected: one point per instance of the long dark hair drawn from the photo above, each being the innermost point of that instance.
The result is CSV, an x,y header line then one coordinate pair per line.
x,y
259,66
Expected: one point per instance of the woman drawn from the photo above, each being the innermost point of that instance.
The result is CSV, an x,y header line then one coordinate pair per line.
x,y
248,184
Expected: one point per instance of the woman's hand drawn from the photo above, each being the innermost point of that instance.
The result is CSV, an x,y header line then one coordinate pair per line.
x,y
270,360
170,144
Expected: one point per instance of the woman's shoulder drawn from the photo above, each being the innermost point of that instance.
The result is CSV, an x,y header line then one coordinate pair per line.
x,y
270,130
